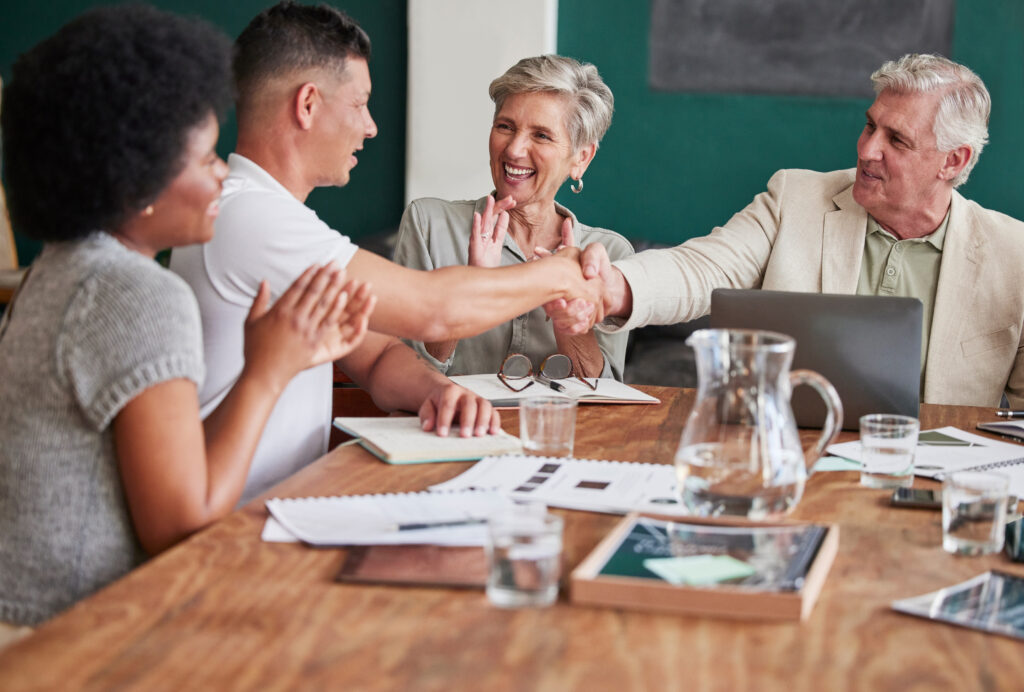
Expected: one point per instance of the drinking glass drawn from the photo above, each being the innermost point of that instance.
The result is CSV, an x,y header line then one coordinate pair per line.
x,y
888,443
974,512
524,557
547,426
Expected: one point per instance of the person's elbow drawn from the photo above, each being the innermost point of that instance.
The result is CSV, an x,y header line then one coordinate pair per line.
x,y
157,534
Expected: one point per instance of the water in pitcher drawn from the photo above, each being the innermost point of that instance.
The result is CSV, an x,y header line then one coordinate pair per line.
x,y
740,453
719,479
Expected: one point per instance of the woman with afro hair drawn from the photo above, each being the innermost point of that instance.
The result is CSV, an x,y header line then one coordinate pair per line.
x,y
109,129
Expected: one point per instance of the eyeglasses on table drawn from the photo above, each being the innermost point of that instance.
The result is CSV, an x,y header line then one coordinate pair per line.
x,y
517,368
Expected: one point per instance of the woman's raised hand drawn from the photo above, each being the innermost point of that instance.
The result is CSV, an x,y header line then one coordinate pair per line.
x,y
488,234
567,241
320,318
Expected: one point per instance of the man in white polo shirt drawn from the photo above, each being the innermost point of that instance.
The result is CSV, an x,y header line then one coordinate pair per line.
x,y
302,86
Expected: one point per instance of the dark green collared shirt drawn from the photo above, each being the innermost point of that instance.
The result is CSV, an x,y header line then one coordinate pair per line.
x,y
904,268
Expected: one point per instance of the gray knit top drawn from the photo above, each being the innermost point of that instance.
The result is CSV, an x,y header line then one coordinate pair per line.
x,y
94,325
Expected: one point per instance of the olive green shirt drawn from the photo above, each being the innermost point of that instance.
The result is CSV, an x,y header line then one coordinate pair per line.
x,y
904,268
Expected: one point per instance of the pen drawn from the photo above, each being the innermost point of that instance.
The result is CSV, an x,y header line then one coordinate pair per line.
x,y
557,386
440,524
1010,414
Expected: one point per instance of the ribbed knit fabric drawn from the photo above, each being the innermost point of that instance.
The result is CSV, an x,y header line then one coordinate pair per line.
x,y
95,325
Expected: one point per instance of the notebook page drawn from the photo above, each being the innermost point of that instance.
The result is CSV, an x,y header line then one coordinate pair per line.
x,y
373,519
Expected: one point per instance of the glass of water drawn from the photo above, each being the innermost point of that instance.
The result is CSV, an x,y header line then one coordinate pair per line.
x,y
974,512
888,443
547,425
524,557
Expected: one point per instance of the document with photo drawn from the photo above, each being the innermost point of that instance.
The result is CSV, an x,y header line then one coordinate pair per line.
x,y
615,487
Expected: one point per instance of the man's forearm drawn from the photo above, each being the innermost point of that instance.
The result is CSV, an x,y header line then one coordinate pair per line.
x,y
399,378
456,302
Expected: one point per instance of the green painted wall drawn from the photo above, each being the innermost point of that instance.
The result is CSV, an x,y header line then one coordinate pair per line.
x,y
373,201
675,165
672,165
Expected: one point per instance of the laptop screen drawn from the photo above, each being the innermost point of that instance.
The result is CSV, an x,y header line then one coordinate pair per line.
x,y
868,347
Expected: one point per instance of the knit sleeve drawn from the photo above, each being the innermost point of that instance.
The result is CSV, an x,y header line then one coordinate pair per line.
x,y
124,332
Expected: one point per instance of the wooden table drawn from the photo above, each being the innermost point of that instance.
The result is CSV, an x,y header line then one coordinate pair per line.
x,y
224,610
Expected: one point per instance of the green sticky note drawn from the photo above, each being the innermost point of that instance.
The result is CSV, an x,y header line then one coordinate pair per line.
x,y
836,464
698,570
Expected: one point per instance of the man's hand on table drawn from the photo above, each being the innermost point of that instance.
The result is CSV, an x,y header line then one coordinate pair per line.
x,y
450,404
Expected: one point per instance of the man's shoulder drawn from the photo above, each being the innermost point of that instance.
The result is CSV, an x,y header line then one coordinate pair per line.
x,y
801,179
255,217
990,219
254,204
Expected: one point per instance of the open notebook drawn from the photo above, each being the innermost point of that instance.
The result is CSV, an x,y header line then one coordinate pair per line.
x,y
609,391
400,440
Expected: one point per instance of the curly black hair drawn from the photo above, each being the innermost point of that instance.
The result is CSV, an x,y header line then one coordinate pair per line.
x,y
95,119
290,36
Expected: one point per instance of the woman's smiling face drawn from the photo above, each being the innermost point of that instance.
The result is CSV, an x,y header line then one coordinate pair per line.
x,y
530,148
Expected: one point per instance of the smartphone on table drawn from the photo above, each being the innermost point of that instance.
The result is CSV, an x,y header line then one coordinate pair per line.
x,y
917,498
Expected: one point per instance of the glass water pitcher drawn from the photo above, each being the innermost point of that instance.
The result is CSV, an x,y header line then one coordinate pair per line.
x,y
740,452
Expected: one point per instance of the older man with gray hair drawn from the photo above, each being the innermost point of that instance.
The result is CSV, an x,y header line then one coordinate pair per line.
x,y
893,226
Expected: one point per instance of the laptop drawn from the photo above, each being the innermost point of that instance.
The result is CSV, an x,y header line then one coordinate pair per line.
x,y
868,347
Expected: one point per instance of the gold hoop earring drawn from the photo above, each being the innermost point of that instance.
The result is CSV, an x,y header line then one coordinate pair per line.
x,y
579,189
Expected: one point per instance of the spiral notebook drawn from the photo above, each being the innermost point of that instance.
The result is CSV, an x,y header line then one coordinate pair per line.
x,y
614,487
942,451
1010,429
455,518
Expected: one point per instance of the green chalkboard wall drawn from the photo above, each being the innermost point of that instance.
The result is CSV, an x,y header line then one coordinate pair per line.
x,y
373,201
673,165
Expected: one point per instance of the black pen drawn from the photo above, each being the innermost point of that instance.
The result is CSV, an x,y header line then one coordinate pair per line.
x,y
557,386
1010,414
440,524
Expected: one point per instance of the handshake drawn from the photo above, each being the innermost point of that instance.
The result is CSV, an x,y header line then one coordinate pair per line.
x,y
603,292
596,289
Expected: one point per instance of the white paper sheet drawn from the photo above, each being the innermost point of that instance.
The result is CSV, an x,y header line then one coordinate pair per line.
x,y
597,486
944,450
490,387
371,519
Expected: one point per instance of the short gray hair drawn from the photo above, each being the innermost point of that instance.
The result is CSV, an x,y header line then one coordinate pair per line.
x,y
962,118
590,100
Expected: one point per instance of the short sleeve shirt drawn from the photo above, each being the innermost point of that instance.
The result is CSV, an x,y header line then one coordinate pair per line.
x,y
94,326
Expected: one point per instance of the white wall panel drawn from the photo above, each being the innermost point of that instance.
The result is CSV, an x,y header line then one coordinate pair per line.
x,y
456,47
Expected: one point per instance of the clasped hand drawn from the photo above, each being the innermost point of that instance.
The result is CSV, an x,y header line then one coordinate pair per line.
x,y
577,315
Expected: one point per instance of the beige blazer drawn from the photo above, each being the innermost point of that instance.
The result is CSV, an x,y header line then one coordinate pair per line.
x,y
806,233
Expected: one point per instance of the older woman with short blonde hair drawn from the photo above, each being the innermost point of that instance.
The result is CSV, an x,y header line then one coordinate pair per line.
x,y
550,113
